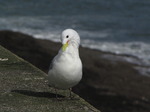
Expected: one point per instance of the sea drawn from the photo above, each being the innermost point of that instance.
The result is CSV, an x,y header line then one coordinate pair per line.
x,y
117,26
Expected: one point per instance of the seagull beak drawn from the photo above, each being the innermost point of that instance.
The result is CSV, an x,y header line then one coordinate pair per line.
x,y
65,46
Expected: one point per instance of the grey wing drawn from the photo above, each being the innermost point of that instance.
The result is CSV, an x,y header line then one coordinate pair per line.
x,y
51,65
52,62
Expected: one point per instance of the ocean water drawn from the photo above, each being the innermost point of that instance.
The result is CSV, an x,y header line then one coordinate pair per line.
x,y
120,26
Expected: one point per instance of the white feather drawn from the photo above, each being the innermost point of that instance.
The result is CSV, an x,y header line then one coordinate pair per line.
x,y
66,70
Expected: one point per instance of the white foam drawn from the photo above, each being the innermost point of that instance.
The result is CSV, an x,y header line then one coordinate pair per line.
x,y
44,28
138,49
143,70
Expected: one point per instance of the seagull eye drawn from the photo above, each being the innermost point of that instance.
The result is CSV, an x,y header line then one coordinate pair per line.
x,y
67,36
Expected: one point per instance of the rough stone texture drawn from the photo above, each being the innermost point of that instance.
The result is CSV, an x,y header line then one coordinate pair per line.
x,y
23,88
110,82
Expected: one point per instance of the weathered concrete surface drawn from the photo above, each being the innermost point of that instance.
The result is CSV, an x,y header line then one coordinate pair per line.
x,y
23,88
110,82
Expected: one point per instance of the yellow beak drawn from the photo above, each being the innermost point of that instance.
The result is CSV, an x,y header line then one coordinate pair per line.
x,y
64,46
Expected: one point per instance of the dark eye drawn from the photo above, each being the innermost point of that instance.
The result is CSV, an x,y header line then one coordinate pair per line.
x,y
67,36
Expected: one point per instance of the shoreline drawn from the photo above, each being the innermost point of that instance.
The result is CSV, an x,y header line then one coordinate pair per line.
x,y
109,83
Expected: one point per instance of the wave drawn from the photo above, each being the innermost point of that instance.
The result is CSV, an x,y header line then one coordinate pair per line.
x,y
137,49
45,27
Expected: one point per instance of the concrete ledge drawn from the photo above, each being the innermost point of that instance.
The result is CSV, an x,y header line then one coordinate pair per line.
x,y
23,88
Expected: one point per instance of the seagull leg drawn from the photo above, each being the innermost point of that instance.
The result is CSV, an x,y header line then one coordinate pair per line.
x,y
70,95
56,93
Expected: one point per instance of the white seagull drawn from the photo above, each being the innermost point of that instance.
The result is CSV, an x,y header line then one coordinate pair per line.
x,y
66,68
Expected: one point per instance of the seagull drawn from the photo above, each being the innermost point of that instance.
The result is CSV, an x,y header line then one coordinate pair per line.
x,y
66,68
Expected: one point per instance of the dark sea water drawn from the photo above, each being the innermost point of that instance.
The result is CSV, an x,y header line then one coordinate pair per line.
x,y
119,26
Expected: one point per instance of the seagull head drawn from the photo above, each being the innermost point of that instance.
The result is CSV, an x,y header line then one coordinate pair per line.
x,y
69,36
